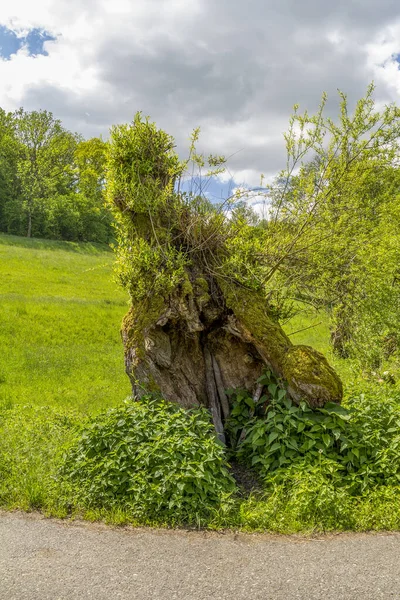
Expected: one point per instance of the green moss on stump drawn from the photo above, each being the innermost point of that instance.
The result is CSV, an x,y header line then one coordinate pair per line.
x,y
307,371
251,310
137,322
202,294
309,376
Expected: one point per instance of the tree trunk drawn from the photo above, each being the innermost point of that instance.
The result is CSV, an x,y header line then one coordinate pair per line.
x,y
210,333
212,336
29,232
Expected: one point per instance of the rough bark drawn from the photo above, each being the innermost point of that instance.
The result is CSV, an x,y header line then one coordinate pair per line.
x,y
213,336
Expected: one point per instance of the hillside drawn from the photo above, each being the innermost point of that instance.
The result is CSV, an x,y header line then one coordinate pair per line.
x,y
60,315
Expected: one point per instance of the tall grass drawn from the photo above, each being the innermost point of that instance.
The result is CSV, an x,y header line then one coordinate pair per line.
x,y
60,315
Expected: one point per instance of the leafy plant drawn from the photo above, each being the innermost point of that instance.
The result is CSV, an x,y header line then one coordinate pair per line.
x,y
152,458
274,433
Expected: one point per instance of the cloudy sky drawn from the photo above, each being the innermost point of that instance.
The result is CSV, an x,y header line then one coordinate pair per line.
x,y
232,67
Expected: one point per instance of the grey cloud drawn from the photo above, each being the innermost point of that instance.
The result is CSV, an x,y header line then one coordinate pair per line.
x,y
234,68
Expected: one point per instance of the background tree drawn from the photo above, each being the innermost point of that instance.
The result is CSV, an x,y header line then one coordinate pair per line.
x,y
51,181
9,184
45,164
90,165
331,208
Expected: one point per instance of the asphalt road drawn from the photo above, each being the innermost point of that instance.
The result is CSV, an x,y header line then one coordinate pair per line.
x,y
44,559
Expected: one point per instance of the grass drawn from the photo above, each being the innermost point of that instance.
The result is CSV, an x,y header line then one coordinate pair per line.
x,y
62,363
60,315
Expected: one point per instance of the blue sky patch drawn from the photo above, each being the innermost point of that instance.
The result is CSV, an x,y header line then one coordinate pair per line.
x,y
10,43
212,188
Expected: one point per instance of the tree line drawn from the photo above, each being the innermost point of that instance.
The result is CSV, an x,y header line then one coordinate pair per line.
x,y
51,180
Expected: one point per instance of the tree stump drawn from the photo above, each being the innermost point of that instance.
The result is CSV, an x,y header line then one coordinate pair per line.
x,y
212,336
200,321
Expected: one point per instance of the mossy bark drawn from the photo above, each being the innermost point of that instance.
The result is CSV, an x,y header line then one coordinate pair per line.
x,y
211,335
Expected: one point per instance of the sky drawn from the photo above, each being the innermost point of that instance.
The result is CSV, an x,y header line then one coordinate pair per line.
x,y
233,68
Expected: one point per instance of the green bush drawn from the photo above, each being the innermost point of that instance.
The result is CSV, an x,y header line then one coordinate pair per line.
x,y
153,459
362,440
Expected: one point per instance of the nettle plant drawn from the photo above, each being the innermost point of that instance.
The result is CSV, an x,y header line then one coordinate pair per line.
x,y
274,433
151,458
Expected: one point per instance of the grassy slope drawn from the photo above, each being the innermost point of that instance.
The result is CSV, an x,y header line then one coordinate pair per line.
x,y
60,314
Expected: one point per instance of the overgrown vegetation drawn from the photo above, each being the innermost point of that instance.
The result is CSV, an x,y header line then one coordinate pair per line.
x,y
330,240
152,459
359,444
59,463
330,245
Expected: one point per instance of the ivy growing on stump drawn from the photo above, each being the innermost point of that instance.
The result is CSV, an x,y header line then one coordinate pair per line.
x,y
200,320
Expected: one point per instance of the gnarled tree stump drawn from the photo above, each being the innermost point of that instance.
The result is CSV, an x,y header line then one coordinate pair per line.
x,y
199,321
214,336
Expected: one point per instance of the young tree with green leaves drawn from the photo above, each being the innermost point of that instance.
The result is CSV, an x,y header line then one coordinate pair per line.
x,y
45,164
330,210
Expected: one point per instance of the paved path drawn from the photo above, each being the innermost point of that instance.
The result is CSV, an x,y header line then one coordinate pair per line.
x,y
44,559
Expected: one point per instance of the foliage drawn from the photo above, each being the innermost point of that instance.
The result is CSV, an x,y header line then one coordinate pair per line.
x,y
90,166
335,205
330,239
158,228
9,186
303,497
51,181
164,231
44,162
154,457
360,444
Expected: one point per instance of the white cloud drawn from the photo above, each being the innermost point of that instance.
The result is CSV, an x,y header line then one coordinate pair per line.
x,y
234,68
257,199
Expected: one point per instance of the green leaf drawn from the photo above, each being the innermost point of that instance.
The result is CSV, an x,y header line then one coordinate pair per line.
x,y
326,439
250,402
272,389
272,436
274,447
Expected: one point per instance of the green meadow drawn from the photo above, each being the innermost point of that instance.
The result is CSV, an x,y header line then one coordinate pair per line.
x,y
60,315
